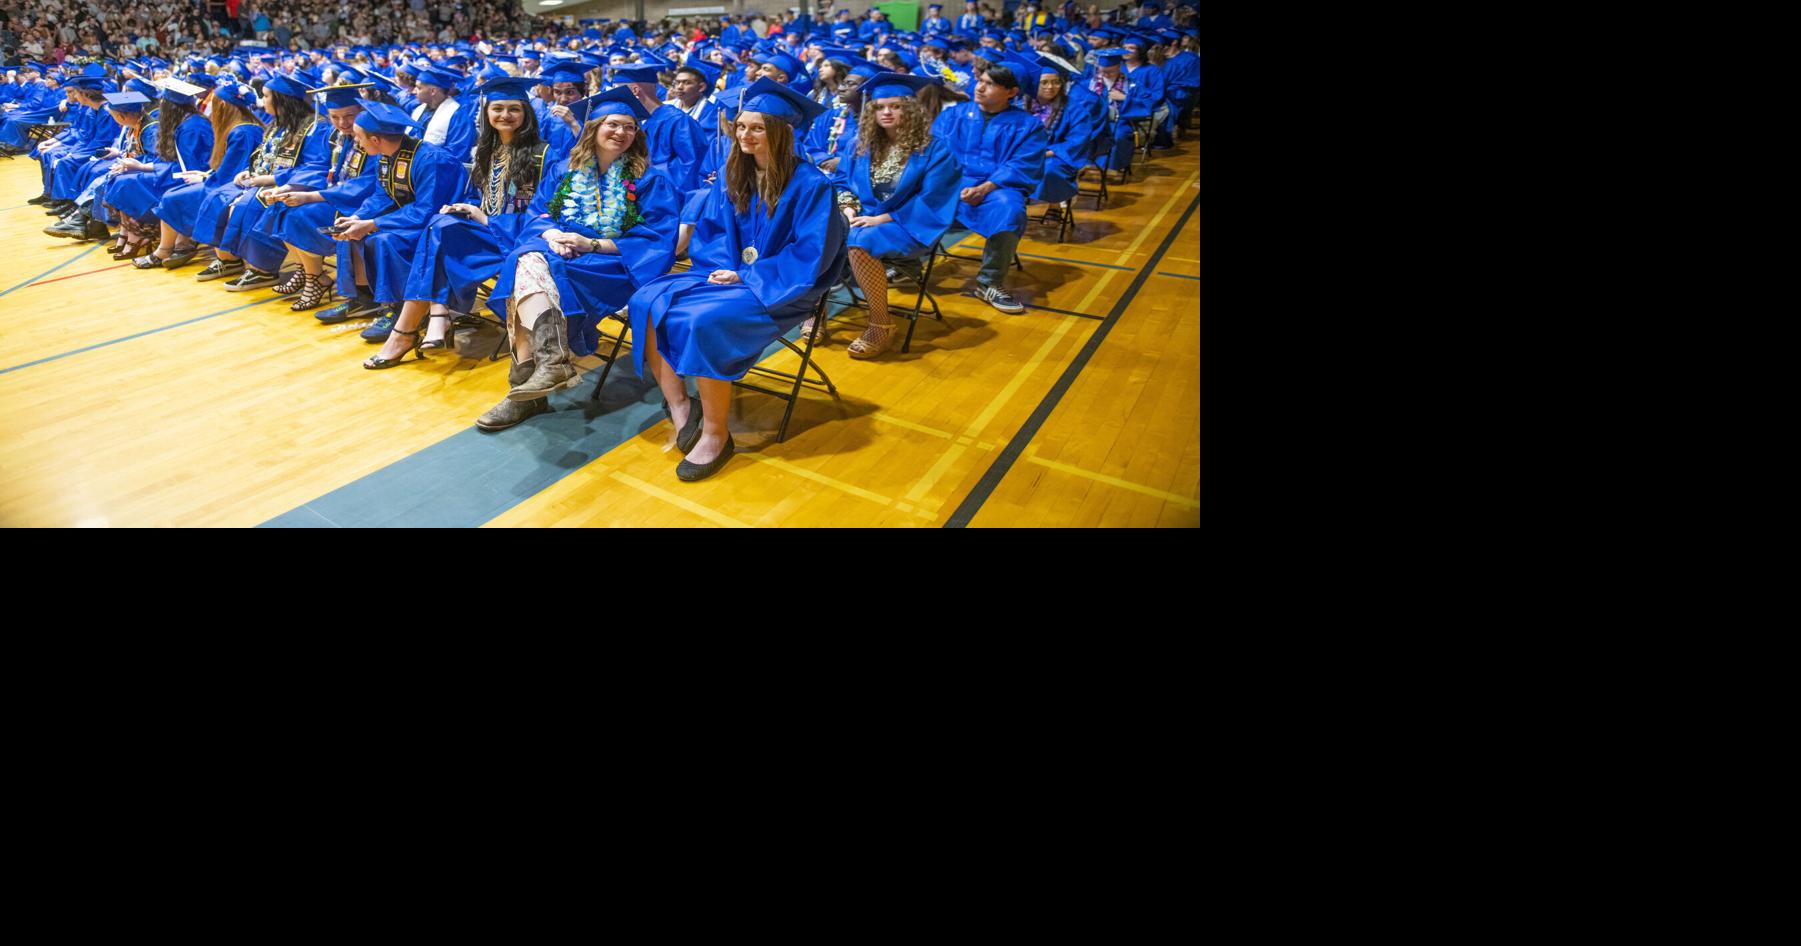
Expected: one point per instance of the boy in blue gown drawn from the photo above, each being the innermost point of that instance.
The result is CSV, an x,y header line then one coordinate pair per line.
x,y
1002,151
676,143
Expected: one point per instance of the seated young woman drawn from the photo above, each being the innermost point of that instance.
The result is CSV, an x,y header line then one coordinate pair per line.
x,y
768,244
464,244
312,200
1072,119
183,142
294,131
898,188
236,137
603,224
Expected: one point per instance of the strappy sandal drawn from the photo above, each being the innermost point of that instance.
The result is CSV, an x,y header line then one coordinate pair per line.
x,y
152,261
314,294
862,347
448,342
377,363
295,282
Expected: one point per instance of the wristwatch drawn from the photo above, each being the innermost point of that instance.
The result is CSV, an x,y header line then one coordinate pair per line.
x,y
593,246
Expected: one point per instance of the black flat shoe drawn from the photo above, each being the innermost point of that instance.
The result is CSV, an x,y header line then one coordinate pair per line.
x,y
181,258
694,472
690,432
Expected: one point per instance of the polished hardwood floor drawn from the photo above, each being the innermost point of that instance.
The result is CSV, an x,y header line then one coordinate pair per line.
x,y
146,399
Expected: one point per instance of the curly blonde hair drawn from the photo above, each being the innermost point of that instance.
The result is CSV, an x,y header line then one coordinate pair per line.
x,y
912,137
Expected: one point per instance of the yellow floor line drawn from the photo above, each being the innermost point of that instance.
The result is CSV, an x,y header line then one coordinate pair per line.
x,y
940,434
820,478
713,516
1182,501
1131,251
924,486
1019,379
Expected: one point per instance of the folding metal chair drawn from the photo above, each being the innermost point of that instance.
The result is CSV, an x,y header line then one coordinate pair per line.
x,y
923,278
799,377
1066,217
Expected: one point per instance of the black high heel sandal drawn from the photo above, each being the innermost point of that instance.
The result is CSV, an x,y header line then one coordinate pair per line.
x,y
448,342
377,363
313,294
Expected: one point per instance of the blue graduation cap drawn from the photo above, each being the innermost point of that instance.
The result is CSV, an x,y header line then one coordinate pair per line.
x,y
729,101
344,96
1062,67
507,89
127,101
242,96
288,87
1109,56
1025,70
790,66
635,74
380,118
893,85
142,88
442,78
618,100
706,69
768,97
566,71
180,93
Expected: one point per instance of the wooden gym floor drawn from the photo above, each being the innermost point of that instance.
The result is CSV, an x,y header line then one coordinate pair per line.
x,y
146,399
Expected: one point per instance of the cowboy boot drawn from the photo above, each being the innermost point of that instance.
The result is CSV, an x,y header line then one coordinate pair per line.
x,y
550,351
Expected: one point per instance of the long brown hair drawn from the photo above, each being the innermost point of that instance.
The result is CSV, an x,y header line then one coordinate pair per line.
x,y
226,116
742,180
586,150
522,173
168,121
912,137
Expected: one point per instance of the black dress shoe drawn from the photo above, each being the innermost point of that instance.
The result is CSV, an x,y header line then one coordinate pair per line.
x,y
70,229
695,472
59,208
96,231
40,200
690,432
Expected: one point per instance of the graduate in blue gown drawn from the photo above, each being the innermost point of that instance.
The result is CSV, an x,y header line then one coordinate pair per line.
x,y
236,137
762,262
602,225
293,130
898,189
1071,119
376,243
676,143
315,199
183,142
464,243
1182,76
89,218
92,129
254,232
1001,148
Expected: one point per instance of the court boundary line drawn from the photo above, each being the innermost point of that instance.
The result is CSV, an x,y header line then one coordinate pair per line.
x,y
47,272
1003,464
120,341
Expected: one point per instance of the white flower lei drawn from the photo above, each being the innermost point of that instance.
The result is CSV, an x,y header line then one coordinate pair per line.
x,y
598,206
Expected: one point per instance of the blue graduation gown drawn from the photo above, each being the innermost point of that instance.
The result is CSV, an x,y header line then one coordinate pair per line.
x,y
821,145
348,185
437,179
250,234
138,194
676,146
456,255
222,206
99,132
180,206
923,202
1072,142
1007,149
720,332
594,285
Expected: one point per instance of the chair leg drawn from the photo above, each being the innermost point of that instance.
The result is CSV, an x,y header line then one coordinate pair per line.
x,y
613,359
800,377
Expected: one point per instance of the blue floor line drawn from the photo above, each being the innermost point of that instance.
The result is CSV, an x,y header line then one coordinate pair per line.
x,y
472,477
128,338
50,270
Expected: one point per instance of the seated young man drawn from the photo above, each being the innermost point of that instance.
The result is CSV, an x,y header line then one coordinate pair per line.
x,y
1002,150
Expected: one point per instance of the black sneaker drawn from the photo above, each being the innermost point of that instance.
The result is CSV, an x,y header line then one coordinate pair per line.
x,y
350,309
252,279
998,297
219,269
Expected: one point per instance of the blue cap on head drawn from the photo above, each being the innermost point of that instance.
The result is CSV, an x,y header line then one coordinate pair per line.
x,y
618,100
380,118
707,69
575,72
1109,56
769,97
143,88
790,66
893,85
127,101
635,74
442,78
242,96
507,89
287,86
1025,70
344,96
1050,63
